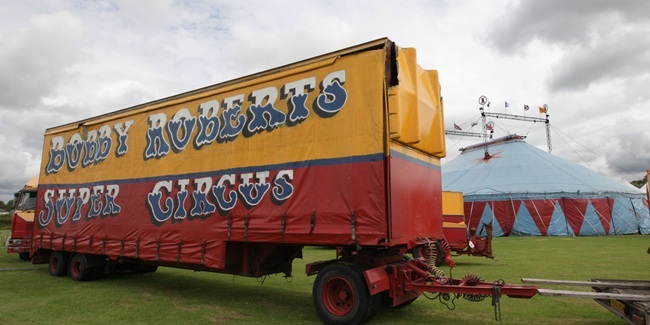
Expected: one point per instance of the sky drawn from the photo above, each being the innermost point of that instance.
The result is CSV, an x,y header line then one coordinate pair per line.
x,y
587,60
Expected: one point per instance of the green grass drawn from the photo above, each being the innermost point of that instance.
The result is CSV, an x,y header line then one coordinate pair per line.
x,y
173,296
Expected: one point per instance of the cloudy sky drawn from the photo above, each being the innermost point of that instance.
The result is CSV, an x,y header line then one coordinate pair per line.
x,y
588,60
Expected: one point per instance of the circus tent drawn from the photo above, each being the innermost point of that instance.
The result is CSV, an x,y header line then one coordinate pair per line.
x,y
521,190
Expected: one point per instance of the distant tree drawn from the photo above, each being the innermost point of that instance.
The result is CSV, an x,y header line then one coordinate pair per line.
x,y
7,206
639,182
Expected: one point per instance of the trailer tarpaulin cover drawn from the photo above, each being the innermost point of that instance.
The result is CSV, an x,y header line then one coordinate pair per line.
x,y
294,155
290,155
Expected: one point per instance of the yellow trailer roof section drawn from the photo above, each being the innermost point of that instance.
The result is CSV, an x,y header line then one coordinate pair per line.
x,y
415,106
452,203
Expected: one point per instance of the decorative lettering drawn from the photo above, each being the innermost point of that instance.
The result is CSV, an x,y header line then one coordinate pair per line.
x,y
181,212
298,90
333,96
71,204
157,146
233,121
180,129
47,214
283,188
201,207
91,148
264,116
252,193
73,151
225,204
104,143
63,206
216,122
253,188
122,135
57,155
160,212
209,123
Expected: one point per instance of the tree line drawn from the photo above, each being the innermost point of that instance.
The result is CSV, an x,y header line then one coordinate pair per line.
x,y
8,206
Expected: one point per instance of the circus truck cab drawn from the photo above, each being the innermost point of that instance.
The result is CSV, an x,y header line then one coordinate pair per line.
x,y
22,220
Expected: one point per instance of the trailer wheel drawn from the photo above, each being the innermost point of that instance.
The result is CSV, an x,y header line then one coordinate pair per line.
x,y
79,268
58,263
341,296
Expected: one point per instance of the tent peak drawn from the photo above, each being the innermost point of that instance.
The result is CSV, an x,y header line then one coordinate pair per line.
x,y
507,138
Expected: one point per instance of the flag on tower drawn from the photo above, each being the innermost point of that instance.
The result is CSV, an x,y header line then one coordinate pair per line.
x,y
507,105
457,127
526,107
542,109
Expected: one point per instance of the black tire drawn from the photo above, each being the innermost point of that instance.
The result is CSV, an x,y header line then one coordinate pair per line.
x,y
341,296
58,263
377,303
24,256
79,268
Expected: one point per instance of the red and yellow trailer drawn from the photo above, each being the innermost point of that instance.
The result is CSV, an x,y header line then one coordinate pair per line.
x,y
341,150
458,237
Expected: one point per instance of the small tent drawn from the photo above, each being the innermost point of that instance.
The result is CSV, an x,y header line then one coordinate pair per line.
x,y
521,190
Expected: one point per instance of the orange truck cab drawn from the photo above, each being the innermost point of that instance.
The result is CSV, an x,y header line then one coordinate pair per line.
x,y
22,220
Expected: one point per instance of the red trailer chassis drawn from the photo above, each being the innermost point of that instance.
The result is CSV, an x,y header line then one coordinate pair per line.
x,y
352,288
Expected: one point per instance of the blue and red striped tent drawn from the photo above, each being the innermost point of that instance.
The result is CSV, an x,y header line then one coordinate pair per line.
x,y
521,190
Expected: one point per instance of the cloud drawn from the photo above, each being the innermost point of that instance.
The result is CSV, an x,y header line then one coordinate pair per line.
x,y
35,59
630,144
18,167
601,40
564,22
613,57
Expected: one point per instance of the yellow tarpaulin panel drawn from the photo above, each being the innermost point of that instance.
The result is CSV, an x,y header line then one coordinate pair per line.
x,y
171,138
415,106
452,203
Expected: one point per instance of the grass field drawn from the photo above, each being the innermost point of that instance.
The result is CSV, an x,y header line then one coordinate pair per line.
x,y
29,295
